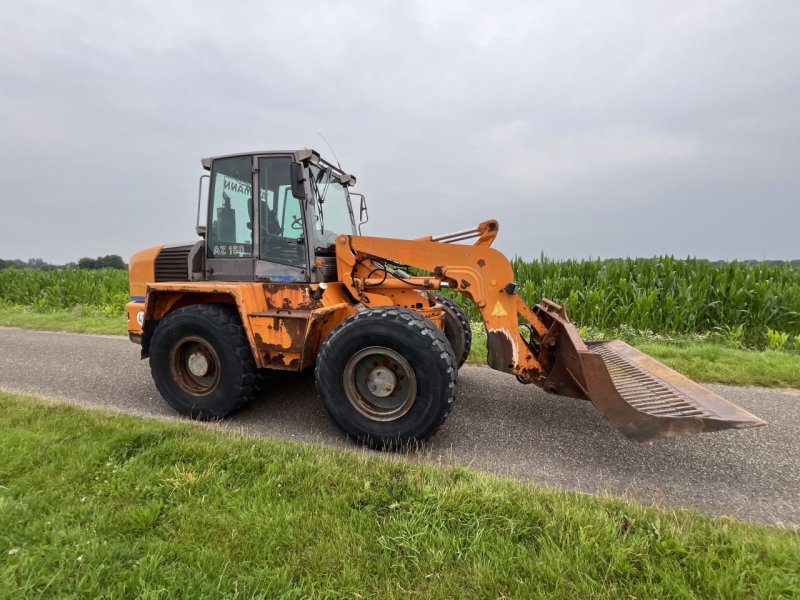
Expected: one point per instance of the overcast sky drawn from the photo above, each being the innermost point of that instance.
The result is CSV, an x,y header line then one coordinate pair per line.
x,y
587,129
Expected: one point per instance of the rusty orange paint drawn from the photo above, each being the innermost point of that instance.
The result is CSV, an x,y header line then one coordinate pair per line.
x,y
284,324
477,271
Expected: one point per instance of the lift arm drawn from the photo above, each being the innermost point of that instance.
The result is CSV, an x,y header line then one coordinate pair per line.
x,y
640,396
477,271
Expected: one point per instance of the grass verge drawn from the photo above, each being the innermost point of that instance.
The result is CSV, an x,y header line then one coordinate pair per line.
x,y
76,321
95,504
703,361
717,363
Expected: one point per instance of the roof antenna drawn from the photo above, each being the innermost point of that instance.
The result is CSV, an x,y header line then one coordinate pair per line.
x,y
338,164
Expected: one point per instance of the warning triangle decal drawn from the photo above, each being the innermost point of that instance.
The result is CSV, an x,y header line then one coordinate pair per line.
x,y
498,310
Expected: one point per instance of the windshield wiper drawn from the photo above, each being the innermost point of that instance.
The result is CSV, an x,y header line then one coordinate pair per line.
x,y
321,198
327,183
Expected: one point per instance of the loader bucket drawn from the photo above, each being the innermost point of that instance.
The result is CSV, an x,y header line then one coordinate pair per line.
x,y
643,398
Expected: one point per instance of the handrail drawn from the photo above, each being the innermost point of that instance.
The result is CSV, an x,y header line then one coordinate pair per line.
x,y
200,229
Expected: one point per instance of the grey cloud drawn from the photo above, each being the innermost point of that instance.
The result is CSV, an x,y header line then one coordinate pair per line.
x,y
602,129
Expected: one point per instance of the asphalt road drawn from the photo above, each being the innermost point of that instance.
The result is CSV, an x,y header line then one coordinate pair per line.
x,y
497,425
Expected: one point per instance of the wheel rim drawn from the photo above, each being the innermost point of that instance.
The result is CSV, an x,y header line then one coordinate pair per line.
x,y
380,383
195,365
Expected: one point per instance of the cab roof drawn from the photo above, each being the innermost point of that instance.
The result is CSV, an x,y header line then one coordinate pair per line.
x,y
306,155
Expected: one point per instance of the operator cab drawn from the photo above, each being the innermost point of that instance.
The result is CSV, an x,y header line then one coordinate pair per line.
x,y
275,216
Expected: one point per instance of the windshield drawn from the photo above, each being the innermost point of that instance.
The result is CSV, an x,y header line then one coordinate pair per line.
x,y
332,214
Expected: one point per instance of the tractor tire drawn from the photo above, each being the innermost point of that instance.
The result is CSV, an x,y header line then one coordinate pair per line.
x,y
457,328
202,363
386,376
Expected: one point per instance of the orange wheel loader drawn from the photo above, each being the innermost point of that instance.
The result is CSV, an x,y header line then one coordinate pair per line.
x,y
281,279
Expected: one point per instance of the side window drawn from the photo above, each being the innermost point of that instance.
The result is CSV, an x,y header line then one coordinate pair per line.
x,y
282,233
230,208
288,213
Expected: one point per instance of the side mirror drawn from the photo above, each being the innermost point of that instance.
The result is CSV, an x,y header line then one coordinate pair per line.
x,y
298,177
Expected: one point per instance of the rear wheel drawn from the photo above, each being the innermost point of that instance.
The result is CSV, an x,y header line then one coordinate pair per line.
x,y
201,361
386,377
457,328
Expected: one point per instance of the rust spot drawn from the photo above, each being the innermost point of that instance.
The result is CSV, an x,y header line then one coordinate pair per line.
x,y
500,350
279,341
286,296
282,362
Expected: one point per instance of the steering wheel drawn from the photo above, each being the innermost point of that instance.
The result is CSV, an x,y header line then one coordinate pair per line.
x,y
297,223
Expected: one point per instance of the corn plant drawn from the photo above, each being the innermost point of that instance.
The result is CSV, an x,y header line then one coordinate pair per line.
x,y
776,340
103,290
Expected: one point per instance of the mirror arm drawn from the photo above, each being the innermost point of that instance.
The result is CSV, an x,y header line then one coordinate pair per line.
x,y
363,213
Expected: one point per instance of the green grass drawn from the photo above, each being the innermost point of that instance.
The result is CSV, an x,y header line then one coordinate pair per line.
x,y
94,504
715,363
704,361
76,320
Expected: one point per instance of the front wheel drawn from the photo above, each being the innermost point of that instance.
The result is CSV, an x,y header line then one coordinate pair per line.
x,y
386,377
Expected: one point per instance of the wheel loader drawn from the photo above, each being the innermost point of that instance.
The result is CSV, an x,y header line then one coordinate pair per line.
x,y
280,279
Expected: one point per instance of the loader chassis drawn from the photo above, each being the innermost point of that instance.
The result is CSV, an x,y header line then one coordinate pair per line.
x,y
284,324
281,281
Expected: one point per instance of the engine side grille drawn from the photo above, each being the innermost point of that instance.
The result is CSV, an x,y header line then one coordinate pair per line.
x,y
172,263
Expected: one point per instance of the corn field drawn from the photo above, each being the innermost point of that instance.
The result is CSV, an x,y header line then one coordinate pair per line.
x,y
662,295
667,295
104,291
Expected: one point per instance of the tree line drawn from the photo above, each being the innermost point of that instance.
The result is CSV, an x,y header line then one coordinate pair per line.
x,y
109,261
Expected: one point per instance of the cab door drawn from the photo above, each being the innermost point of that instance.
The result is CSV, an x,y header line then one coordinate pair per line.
x,y
282,230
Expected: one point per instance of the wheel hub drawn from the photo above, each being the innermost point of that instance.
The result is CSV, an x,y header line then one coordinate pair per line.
x,y
380,383
195,365
198,364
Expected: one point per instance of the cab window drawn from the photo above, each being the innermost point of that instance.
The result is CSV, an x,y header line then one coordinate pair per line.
x,y
231,209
